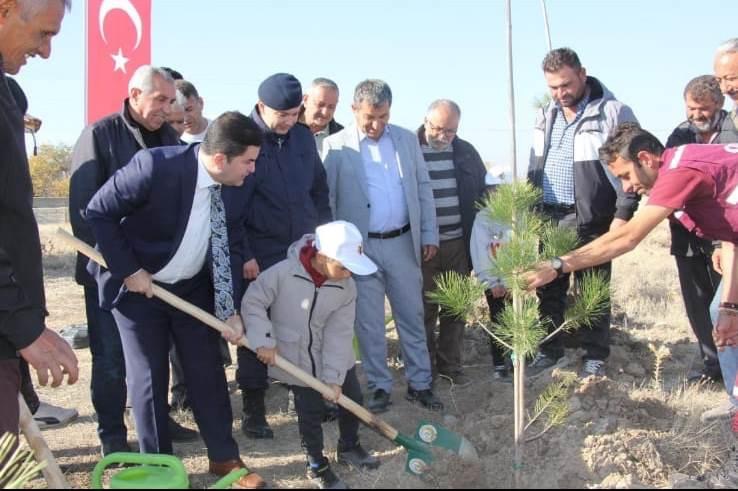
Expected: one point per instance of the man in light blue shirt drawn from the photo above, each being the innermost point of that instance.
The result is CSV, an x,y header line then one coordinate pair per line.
x,y
384,183
379,181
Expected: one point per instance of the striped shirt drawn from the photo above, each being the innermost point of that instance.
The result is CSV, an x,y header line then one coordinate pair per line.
x,y
445,191
558,171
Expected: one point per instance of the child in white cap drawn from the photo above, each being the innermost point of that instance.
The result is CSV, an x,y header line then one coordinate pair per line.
x,y
304,308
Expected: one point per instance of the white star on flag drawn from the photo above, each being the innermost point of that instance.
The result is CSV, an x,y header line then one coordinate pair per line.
x,y
120,61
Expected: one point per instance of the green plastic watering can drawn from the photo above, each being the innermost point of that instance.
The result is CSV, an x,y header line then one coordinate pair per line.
x,y
151,472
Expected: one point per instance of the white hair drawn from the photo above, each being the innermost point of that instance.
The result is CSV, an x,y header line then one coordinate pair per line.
x,y
325,82
444,103
729,46
143,78
29,8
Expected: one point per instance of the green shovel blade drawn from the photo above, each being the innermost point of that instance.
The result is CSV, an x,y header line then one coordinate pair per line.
x,y
419,454
438,436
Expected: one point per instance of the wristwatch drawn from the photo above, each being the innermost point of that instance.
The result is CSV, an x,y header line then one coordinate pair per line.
x,y
558,265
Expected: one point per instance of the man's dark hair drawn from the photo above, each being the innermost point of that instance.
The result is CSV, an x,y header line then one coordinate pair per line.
x,y
187,89
704,88
230,134
173,73
627,140
559,58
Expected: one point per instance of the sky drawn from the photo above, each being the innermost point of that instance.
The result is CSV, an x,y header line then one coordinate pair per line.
x,y
645,51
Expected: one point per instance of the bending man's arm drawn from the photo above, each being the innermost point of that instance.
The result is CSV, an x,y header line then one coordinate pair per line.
x,y
726,328
611,245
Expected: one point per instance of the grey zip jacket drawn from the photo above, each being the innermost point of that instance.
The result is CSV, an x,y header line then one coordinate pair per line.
x,y
311,327
486,236
598,193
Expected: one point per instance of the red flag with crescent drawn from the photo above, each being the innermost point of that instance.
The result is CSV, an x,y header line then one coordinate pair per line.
x,y
118,42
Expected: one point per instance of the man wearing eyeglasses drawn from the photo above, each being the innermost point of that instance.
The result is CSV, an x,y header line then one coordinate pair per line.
x,y
457,177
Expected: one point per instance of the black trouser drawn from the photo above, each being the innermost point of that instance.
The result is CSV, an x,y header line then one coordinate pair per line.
x,y
445,349
147,327
310,410
496,306
179,387
26,388
10,382
553,302
699,282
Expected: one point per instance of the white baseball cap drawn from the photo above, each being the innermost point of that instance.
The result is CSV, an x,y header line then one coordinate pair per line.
x,y
342,241
495,176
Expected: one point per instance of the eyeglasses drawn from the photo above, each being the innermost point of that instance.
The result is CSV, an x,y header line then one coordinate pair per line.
x,y
440,129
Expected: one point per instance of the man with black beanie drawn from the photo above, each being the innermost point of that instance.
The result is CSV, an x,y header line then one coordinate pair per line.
x,y
287,198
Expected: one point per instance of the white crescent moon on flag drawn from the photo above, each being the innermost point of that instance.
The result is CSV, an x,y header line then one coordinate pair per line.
x,y
127,7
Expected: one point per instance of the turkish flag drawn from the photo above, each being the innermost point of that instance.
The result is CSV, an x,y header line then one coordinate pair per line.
x,y
118,42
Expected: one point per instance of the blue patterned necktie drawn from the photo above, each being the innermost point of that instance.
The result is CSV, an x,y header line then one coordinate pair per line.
x,y
222,279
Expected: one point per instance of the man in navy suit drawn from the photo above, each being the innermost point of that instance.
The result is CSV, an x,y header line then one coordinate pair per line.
x,y
174,216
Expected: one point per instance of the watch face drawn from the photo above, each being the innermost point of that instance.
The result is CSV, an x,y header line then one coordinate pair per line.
x,y
556,263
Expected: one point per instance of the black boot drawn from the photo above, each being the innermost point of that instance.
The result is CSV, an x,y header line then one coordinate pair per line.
x,y
254,415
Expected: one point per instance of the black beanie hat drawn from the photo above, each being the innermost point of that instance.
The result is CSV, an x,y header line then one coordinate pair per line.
x,y
281,92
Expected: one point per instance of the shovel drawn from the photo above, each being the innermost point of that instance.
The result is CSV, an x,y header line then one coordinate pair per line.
x,y
419,447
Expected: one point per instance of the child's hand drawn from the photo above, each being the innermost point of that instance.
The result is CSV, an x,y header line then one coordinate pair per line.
x,y
499,291
336,393
267,356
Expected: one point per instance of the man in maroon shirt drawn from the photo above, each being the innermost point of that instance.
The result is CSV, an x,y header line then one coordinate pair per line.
x,y
694,184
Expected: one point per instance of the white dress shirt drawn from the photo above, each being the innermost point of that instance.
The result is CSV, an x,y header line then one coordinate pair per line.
x,y
190,257
384,177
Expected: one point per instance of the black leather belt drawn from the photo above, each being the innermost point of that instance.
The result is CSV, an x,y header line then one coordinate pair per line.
x,y
391,234
558,209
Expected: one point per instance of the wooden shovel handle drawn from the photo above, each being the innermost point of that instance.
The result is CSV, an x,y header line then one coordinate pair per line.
x,y
359,411
53,474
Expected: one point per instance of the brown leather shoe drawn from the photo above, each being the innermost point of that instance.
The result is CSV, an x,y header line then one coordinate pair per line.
x,y
249,481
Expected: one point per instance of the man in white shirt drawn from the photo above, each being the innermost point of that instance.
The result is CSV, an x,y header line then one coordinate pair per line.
x,y
174,216
195,124
378,180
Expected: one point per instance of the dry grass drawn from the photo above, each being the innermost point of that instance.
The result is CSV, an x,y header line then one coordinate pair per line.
x,y
635,428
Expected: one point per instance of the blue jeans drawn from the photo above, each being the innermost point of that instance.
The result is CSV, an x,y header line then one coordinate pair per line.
x,y
729,356
108,385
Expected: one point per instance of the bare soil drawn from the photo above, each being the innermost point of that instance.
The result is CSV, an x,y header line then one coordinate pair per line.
x,y
637,427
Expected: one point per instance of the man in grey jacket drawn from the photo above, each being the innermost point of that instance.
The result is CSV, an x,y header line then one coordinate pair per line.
x,y
579,192
378,180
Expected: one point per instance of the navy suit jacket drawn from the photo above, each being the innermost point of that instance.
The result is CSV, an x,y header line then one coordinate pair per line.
x,y
139,217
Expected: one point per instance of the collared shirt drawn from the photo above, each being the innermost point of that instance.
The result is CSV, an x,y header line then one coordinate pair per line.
x,y
558,171
320,137
388,210
190,257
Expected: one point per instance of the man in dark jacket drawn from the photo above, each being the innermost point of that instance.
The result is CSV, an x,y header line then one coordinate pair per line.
x,y
287,198
318,107
26,30
706,123
104,147
457,176
579,192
